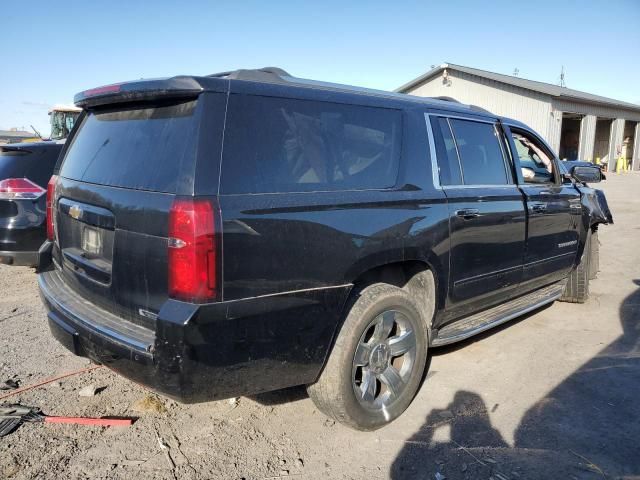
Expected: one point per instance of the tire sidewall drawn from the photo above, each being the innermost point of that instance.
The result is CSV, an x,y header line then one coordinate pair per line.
x,y
373,302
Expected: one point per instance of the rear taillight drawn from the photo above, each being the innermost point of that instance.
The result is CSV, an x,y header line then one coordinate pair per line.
x,y
51,190
193,252
19,188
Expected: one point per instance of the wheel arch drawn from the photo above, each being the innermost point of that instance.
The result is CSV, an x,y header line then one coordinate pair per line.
x,y
411,274
397,268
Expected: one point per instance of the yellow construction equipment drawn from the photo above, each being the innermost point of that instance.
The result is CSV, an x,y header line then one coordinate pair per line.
x,y
62,119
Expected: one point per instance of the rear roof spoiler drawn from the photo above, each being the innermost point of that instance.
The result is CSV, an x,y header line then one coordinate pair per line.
x,y
174,87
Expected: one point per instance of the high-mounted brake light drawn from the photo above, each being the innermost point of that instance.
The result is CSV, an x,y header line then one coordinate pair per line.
x,y
192,250
19,188
51,190
102,90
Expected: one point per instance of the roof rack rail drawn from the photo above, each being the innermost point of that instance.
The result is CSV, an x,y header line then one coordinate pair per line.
x,y
257,74
276,75
480,109
472,107
448,99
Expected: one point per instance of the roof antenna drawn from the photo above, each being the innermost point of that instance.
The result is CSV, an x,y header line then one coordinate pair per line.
x,y
516,72
562,84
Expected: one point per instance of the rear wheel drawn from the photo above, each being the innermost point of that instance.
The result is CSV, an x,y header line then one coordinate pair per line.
x,y
577,288
376,365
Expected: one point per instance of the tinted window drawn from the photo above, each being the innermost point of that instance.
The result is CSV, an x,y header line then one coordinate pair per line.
x,y
141,148
285,145
448,164
535,163
480,153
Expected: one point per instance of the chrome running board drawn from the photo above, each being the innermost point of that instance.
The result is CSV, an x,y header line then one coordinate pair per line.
x,y
480,322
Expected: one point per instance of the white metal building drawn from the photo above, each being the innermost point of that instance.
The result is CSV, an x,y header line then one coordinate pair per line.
x,y
576,124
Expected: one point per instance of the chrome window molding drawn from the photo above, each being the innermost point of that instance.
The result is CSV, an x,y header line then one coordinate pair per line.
x,y
462,117
510,185
435,169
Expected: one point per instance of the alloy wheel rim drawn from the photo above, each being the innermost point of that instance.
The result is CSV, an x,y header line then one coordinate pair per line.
x,y
384,360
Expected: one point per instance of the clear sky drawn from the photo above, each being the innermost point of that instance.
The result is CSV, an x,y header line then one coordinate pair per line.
x,y
53,49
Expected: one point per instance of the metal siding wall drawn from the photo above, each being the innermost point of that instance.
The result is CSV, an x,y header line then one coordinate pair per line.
x,y
505,100
597,110
555,129
587,138
617,130
635,163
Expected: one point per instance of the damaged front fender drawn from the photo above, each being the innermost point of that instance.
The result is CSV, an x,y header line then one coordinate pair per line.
x,y
595,209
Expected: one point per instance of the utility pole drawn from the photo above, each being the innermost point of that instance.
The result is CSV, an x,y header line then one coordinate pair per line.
x,y
516,72
561,83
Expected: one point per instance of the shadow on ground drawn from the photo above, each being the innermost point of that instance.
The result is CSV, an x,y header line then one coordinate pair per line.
x,y
587,427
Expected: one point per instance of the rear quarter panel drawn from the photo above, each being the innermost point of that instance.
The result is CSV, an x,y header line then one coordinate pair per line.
x,y
274,243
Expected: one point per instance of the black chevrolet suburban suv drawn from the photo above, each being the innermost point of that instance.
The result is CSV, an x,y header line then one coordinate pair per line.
x,y
249,231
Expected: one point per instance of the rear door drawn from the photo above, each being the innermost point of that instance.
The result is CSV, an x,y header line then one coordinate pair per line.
x,y
486,212
117,181
553,210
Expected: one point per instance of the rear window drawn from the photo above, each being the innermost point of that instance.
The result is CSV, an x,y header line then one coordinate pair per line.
x,y
286,145
480,153
142,148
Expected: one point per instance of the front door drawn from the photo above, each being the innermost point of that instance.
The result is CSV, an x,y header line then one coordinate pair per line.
x,y
553,210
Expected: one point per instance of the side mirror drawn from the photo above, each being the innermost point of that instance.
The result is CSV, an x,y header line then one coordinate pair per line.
x,y
587,174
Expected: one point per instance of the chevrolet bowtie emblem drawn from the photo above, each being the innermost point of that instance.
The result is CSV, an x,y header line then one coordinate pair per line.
x,y
75,211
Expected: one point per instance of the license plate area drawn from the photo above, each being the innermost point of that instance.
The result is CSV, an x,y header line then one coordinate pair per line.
x,y
91,241
85,235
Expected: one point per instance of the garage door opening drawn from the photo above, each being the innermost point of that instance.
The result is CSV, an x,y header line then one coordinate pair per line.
x,y
602,140
570,136
628,144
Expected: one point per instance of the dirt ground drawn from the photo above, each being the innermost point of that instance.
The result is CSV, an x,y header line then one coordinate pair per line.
x,y
553,395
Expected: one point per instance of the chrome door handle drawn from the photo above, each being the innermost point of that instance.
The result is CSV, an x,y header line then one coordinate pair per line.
x,y
468,213
575,209
539,207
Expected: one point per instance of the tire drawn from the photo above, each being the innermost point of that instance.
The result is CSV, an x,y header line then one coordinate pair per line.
x,y
360,360
577,288
594,261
